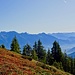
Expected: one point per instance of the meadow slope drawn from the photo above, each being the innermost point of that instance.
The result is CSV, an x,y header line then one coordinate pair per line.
x,y
12,63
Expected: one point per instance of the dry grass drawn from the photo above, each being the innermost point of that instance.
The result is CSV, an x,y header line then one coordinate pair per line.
x,y
12,63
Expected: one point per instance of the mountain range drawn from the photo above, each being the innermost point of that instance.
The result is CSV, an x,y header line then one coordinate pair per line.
x,y
66,40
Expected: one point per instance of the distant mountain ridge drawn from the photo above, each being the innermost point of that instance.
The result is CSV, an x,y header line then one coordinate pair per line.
x,y
72,50
23,38
72,55
66,40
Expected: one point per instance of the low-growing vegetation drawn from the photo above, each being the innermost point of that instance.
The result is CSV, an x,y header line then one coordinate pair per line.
x,y
12,63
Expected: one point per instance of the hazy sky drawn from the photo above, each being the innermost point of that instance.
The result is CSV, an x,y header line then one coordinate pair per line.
x,y
34,16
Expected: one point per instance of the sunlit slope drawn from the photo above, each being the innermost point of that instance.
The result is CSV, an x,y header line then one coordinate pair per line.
x,y
13,64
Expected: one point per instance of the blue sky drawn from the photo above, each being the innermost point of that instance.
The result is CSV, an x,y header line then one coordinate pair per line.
x,y
35,16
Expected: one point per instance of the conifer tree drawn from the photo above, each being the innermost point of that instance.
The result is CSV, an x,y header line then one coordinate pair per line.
x,y
39,49
72,65
27,50
2,46
35,47
64,61
48,57
41,52
15,45
56,52
34,55
24,50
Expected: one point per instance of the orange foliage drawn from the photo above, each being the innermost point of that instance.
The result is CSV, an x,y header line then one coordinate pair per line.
x,y
12,63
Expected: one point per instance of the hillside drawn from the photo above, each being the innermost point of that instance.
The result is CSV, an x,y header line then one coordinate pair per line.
x,y
13,64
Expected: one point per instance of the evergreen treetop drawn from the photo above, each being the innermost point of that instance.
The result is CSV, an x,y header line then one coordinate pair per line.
x,y
15,45
56,52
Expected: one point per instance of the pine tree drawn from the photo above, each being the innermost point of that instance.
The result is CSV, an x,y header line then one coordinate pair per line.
x,y
64,61
34,55
74,67
49,58
15,45
56,52
24,50
35,47
27,50
41,52
2,46
68,65
39,49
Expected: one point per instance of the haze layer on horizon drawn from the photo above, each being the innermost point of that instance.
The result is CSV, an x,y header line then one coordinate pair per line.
x,y
36,16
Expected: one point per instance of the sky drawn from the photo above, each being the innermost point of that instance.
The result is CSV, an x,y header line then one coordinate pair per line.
x,y
37,16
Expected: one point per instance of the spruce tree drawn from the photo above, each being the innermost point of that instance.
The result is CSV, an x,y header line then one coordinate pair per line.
x,y
27,50
15,45
56,52
2,46
24,50
64,61
39,49
35,47
41,52
74,66
34,55
48,57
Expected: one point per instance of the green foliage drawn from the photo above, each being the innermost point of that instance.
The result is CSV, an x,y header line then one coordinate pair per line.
x,y
42,65
24,50
39,49
56,52
35,46
74,66
15,45
27,50
41,52
68,64
64,61
34,55
58,65
2,46
49,58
